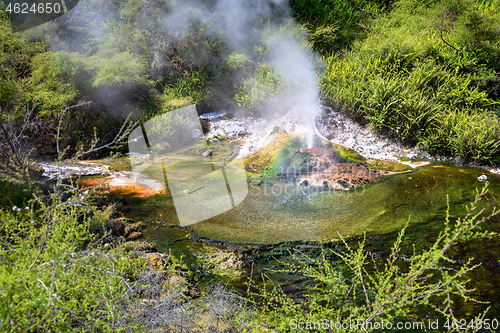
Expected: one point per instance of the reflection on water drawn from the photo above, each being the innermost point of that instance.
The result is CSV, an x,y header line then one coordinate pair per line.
x,y
281,211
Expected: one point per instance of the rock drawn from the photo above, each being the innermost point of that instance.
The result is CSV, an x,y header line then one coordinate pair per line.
x,y
300,164
130,228
231,261
412,156
207,153
483,178
205,125
134,236
227,129
346,153
69,170
276,129
139,246
144,247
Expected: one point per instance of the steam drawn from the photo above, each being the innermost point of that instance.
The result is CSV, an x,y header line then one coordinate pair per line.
x,y
294,63
246,27
248,24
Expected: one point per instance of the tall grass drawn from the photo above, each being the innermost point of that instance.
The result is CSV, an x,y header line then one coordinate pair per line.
x,y
413,81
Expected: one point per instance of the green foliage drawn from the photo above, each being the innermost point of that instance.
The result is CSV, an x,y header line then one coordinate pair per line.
x,y
473,134
57,79
52,277
258,89
334,24
117,70
15,65
362,288
427,80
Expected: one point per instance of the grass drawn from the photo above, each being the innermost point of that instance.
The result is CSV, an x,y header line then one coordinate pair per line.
x,y
407,80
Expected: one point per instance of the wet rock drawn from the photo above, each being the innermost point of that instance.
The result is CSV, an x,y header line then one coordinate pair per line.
x,y
483,178
205,125
346,153
411,156
270,158
227,129
301,164
69,170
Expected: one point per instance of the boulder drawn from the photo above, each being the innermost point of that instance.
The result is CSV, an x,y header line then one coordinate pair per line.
x,y
483,178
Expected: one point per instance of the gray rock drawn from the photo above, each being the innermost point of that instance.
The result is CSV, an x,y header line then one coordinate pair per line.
x,y
412,156
208,153
68,170
482,178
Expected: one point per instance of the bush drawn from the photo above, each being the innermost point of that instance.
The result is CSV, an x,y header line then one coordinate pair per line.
x,y
53,277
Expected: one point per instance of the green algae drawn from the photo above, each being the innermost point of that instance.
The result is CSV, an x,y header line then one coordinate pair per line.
x,y
390,166
301,163
117,163
277,210
287,212
345,154
280,157
270,160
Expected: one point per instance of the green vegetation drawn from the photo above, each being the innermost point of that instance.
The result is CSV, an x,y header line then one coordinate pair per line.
x,y
425,72
50,279
352,285
429,80
63,268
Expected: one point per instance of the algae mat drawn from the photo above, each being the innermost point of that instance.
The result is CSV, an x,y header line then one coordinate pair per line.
x,y
287,212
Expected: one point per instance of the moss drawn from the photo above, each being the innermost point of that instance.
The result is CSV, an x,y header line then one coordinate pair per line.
x,y
272,158
390,166
345,153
